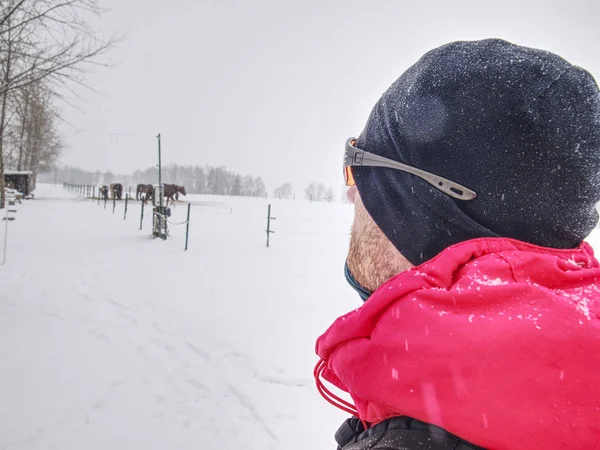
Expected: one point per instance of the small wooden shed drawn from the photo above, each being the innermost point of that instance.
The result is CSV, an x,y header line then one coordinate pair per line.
x,y
19,180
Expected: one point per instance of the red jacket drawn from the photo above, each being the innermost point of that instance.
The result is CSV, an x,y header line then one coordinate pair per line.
x,y
494,340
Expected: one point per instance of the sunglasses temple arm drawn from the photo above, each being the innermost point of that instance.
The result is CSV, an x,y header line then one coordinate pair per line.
x,y
443,184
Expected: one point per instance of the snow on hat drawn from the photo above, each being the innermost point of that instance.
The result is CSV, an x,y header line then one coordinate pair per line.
x,y
519,126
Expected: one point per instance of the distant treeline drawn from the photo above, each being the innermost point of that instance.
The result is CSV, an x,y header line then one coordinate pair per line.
x,y
196,179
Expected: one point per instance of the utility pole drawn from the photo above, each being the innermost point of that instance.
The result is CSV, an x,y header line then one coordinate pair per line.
x,y
159,174
159,218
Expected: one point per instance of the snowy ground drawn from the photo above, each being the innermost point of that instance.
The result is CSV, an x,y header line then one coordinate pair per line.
x,y
110,339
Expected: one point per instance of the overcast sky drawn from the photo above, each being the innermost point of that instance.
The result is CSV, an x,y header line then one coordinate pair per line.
x,y
274,87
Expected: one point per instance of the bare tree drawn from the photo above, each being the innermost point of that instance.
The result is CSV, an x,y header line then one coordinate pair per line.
x,y
329,196
237,185
40,139
199,183
260,190
283,191
247,185
211,180
315,191
49,40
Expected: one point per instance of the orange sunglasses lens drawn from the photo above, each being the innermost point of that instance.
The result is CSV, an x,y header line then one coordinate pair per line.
x,y
348,176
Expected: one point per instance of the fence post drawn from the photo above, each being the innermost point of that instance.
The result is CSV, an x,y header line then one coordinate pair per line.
x,y
114,201
5,234
187,227
105,201
142,217
126,200
269,218
98,195
7,218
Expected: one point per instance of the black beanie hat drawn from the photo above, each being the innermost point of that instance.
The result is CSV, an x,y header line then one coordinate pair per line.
x,y
519,126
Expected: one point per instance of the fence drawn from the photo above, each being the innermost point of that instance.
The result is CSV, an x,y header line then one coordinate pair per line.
x,y
295,220
97,195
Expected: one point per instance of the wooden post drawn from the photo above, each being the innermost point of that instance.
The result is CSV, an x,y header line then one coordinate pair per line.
x,y
269,218
126,200
142,217
187,227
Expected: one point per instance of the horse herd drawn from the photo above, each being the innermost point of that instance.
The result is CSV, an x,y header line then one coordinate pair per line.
x,y
144,192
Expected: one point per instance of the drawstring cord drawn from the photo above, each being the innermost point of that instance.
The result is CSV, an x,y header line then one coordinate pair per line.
x,y
330,396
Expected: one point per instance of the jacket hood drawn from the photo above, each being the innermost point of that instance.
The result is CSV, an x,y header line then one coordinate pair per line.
x,y
494,340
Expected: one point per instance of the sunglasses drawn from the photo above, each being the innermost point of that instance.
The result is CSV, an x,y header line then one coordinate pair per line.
x,y
356,157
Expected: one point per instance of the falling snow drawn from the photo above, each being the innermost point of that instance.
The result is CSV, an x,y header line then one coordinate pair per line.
x,y
580,298
487,281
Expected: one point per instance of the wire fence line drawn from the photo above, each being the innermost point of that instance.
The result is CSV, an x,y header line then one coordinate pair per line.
x,y
319,219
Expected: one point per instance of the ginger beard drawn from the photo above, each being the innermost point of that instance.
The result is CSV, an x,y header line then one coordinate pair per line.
x,y
372,258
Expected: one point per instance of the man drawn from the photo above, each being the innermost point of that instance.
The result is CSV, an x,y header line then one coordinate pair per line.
x,y
474,183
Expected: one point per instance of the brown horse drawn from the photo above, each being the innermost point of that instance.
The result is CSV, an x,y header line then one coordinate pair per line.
x,y
148,193
172,192
116,190
144,192
141,188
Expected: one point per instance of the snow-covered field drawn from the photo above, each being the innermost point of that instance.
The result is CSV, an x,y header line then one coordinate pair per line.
x,y
110,339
